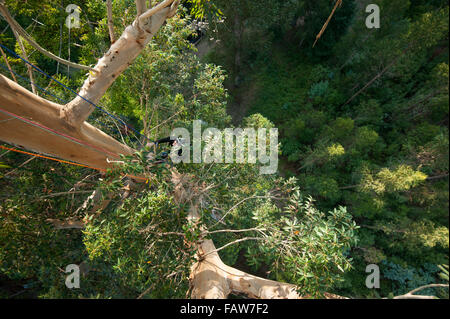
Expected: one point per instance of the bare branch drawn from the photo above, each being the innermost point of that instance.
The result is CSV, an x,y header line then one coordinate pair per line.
x,y
67,224
239,203
232,243
64,193
379,75
23,164
234,231
155,9
338,3
25,55
7,64
141,7
16,27
110,21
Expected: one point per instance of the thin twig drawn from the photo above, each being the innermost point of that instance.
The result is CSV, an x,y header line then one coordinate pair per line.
x,y
239,203
234,231
65,193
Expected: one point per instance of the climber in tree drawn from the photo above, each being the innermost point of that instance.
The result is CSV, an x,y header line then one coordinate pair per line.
x,y
167,140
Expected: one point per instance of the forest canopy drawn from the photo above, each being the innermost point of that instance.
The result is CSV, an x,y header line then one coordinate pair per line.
x,y
362,118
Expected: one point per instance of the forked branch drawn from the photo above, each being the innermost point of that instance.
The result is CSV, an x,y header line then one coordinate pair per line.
x,y
121,54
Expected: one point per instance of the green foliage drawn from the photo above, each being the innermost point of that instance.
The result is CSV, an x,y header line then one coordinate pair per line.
x,y
311,245
384,155
378,154
386,180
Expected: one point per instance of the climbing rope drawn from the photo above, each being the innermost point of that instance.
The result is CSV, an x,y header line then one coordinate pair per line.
x,y
74,92
26,79
49,158
54,132
49,93
65,162
62,135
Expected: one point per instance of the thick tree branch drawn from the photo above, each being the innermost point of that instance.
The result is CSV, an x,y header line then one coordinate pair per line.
x,y
121,54
21,102
141,7
158,8
16,27
210,278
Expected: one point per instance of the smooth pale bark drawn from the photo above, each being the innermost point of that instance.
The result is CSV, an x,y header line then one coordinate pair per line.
x,y
210,278
121,54
18,100
411,294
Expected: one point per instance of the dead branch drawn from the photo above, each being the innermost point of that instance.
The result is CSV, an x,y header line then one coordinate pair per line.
x,y
410,295
338,4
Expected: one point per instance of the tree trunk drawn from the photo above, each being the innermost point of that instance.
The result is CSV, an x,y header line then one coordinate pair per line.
x,y
16,101
49,128
121,55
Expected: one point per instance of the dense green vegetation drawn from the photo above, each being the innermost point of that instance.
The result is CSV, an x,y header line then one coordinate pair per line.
x,y
384,153
374,158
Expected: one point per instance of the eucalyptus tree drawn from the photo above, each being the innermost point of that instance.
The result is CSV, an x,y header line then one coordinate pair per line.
x,y
131,238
